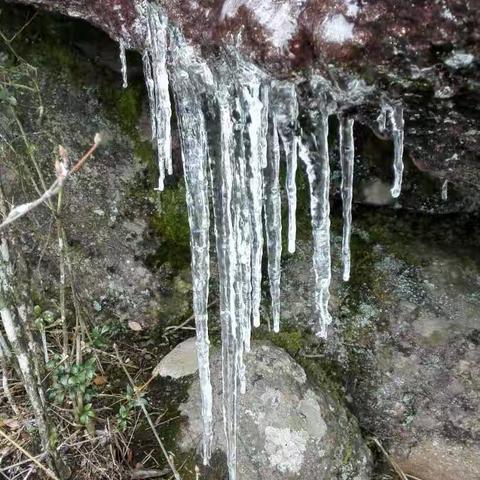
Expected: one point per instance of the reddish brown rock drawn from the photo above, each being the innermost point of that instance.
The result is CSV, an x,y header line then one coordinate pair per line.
x,y
425,53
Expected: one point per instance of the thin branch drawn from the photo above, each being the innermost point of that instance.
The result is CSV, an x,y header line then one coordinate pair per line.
x,y
149,419
392,462
55,188
48,472
173,328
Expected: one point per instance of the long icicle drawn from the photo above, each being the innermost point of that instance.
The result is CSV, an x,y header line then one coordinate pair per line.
x,y
318,173
156,79
256,151
273,219
286,112
347,155
222,175
243,240
193,138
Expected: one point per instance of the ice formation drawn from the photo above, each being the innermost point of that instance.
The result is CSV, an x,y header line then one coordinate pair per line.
x,y
189,79
156,80
233,169
317,165
347,154
394,114
286,114
123,63
445,190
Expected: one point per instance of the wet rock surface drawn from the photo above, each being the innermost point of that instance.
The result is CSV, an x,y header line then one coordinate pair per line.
x,y
405,340
115,227
288,427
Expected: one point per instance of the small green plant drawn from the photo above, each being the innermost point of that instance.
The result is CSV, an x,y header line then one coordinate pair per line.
x,y
131,401
72,381
102,334
43,319
85,414
7,98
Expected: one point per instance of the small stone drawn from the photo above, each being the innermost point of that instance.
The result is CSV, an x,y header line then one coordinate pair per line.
x,y
135,326
180,362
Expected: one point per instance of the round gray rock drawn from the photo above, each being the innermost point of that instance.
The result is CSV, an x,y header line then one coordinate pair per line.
x,y
287,428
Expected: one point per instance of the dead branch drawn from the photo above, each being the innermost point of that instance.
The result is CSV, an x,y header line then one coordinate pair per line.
x,y
62,176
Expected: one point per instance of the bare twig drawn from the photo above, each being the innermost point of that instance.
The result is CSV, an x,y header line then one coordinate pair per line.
x,y
21,210
6,388
47,471
149,419
392,462
172,328
143,474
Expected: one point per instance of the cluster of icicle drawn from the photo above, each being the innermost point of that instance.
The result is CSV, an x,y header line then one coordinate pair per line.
x,y
233,166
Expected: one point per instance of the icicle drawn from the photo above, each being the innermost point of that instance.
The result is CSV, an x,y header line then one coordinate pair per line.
x,y
193,138
273,219
265,99
397,124
222,174
156,78
318,172
291,156
286,112
396,119
445,190
347,154
243,238
256,152
123,63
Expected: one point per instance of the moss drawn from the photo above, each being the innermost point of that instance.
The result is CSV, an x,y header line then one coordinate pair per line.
x,y
291,341
347,454
124,105
323,372
170,224
172,220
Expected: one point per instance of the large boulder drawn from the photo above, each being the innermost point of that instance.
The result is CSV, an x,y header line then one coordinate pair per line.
x,y
288,428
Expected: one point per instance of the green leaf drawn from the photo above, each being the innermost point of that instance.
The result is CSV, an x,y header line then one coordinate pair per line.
x,y
60,397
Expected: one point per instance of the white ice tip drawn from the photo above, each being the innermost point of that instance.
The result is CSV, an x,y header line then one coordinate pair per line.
x,y
346,276
322,333
291,248
161,186
395,192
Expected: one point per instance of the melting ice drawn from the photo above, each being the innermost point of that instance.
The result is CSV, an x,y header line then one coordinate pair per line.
x,y
233,169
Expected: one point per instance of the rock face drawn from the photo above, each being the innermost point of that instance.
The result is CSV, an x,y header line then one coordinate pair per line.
x,y
433,71
288,428
405,340
110,214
